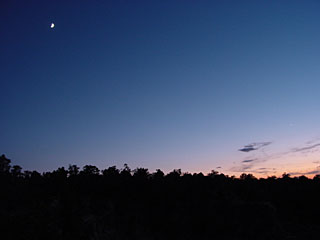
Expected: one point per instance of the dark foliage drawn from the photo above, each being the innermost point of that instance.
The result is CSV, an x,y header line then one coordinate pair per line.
x,y
125,204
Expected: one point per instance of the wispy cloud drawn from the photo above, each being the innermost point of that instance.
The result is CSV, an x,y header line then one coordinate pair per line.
x,y
248,160
254,146
250,168
251,163
314,171
242,168
247,149
265,170
306,148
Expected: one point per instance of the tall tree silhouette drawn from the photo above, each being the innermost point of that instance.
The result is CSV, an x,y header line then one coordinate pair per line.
x,y
4,164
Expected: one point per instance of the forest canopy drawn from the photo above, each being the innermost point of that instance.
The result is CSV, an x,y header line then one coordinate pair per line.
x,y
88,203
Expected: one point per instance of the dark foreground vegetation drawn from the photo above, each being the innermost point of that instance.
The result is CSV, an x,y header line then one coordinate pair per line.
x,y
124,204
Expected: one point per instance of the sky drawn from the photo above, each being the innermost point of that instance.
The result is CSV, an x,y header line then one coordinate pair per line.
x,y
231,86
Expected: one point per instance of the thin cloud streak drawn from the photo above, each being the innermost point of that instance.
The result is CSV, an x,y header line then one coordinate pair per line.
x,y
249,164
249,160
315,171
254,146
306,148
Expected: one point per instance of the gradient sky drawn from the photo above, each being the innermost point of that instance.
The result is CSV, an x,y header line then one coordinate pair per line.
x,y
161,84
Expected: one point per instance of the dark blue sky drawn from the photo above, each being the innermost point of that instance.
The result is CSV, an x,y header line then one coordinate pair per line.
x,y
160,84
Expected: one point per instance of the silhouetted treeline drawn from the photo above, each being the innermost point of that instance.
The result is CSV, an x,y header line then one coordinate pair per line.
x,y
136,204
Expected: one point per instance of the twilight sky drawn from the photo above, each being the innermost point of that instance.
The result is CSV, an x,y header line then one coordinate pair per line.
x,y
198,85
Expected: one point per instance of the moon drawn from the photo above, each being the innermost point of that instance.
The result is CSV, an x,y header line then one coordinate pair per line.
x,y
52,25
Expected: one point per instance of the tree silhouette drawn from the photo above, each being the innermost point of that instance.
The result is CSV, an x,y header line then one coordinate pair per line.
x,y
73,170
111,172
141,173
16,171
90,170
4,164
245,176
158,174
125,204
175,174
126,171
